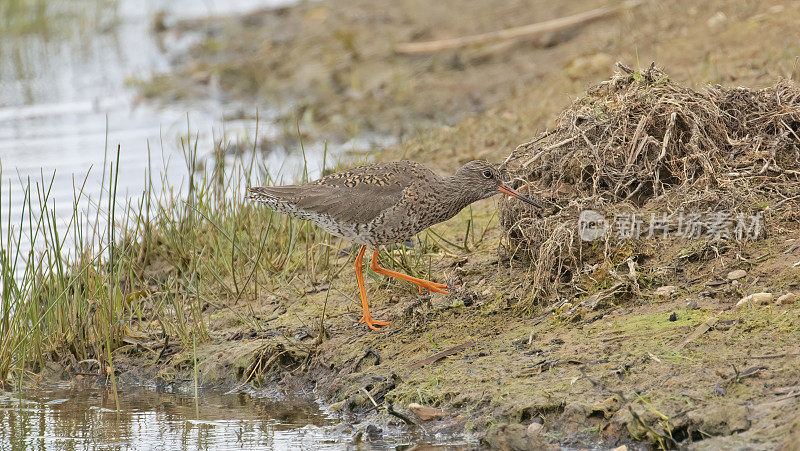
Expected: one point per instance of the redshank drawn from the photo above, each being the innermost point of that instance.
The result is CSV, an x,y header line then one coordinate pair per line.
x,y
385,203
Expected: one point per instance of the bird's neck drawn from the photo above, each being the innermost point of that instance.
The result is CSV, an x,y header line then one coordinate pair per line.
x,y
454,196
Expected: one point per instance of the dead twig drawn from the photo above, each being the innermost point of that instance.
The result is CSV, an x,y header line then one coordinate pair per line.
x,y
770,356
256,365
790,395
369,396
441,355
406,419
164,347
738,376
703,328
562,23
367,353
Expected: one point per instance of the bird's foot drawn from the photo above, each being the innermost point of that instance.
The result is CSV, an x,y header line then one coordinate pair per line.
x,y
433,287
373,324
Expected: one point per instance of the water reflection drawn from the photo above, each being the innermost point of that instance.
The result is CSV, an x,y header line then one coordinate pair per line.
x,y
66,417
87,418
64,99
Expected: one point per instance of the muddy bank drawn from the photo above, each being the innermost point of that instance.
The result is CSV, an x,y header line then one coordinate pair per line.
x,y
334,67
689,367
683,366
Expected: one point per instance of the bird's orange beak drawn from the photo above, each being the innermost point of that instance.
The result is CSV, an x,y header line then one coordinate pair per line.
x,y
505,189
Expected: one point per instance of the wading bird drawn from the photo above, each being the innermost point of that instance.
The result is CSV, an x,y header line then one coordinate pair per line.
x,y
384,203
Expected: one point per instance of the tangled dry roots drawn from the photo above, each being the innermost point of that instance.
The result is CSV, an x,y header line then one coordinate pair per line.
x,y
641,143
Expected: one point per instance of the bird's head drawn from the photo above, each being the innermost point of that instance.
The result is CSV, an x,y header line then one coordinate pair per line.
x,y
483,179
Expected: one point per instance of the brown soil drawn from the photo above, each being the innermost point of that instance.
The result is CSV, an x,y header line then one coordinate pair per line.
x,y
609,369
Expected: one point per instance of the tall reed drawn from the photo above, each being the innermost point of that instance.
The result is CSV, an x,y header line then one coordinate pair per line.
x,y
153,263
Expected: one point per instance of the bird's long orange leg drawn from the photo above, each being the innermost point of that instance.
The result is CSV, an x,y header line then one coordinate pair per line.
x,y
421,283
366,318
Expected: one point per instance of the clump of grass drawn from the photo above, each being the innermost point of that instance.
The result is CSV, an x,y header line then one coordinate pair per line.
x,y
22,17
158,265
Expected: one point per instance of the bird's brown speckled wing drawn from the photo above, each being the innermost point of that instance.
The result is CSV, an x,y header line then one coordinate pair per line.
x,y
354,196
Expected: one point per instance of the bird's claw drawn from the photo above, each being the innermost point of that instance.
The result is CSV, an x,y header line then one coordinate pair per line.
x,y
373,324
434,287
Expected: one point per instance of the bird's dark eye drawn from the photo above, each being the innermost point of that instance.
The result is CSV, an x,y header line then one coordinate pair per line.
x,y
487,174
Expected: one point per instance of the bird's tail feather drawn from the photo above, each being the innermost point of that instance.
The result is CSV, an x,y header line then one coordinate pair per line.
x,y
271,193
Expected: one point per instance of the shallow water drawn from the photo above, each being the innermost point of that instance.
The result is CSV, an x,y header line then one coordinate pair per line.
x,y
66,104
86,418
65,99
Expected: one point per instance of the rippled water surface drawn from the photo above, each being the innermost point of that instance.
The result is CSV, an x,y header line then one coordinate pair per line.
x,y
61,418
65,97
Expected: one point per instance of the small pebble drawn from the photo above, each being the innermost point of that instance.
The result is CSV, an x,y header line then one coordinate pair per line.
x,y
786,299
717,20
425,413
756,298
737,274
373,432
665,291
535,429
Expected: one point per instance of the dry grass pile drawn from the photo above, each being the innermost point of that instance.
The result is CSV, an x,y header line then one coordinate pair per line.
x,y
641,143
